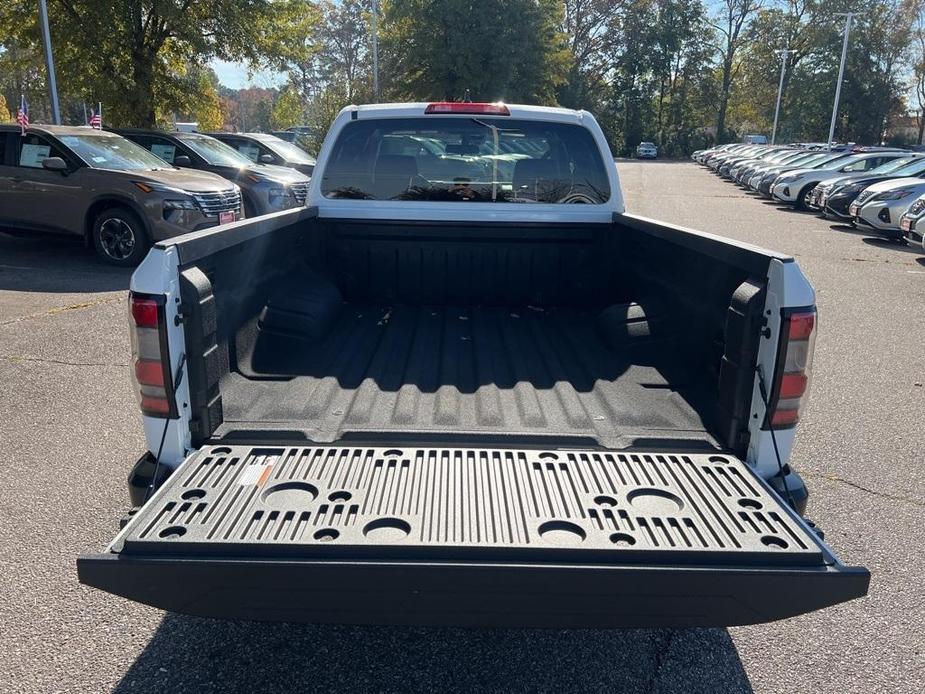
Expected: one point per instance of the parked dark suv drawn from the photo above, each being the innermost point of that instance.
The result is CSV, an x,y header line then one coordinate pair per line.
x,y
265,188
117,195
269,149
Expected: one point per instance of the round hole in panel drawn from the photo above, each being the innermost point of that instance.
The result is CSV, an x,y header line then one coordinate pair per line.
x,y
774,542
657,502
562,532
750,503
623,540
290,495
387,530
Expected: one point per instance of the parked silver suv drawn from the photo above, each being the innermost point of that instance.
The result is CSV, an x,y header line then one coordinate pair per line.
x,y
265,188
117,195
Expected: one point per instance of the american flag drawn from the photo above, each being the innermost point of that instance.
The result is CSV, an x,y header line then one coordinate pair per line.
x,y
22,116
96,120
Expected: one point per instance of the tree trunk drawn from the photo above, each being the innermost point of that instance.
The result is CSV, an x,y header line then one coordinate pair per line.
x,y
723,102
140,99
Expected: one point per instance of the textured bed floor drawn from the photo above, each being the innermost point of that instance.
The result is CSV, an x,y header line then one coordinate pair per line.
x,y
524,371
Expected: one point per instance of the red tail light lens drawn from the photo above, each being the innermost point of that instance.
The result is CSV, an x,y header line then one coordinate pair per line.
x,y
144,312
497,109
801,326
150,356
794,367
149,372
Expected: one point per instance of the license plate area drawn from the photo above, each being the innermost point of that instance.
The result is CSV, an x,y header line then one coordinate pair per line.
x,y
905,224
225,217
455,503
853,210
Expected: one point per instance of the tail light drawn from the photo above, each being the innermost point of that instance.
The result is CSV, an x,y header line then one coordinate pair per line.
x,y
794,366
150,356
496,109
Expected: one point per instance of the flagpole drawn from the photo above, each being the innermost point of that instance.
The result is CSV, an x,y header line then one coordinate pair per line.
x,y
49,63
22,116
99,112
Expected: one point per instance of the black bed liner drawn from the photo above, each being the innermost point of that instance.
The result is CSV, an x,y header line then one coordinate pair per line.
x,y
471,536
507,370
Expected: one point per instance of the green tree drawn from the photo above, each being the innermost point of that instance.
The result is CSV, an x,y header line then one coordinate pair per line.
x,y
5,116
130,54
877,62
344,53
731,28
208,111
288,110
490,49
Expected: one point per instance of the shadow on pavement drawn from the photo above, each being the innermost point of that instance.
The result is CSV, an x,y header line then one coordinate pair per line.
x,y
892,245
191,654
51,263
848,229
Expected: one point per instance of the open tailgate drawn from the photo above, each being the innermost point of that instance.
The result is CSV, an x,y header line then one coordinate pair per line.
x,y
463,536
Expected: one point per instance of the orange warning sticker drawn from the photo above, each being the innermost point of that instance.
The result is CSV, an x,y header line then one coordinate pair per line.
x,y
265,475
255,474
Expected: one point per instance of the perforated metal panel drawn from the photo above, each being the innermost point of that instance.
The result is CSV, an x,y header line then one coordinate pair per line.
x,y
450,503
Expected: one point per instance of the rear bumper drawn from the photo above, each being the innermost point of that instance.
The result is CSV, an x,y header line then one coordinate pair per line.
x,y
472,594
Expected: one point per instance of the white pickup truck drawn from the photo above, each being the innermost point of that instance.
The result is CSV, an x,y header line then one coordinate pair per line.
x,y
463,386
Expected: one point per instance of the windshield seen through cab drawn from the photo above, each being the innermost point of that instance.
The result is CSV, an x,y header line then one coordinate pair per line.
x,y
112,152
214,152
289,151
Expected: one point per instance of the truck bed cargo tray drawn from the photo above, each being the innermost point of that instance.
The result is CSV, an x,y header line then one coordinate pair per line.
x,y
471,536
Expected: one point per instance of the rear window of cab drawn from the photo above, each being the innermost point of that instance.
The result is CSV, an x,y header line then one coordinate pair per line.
x,y
477,159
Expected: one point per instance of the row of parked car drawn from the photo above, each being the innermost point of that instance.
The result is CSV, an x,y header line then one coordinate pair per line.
x,y
880,189
123,190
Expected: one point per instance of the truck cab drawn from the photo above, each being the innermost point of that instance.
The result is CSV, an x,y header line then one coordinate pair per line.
x,y
464,386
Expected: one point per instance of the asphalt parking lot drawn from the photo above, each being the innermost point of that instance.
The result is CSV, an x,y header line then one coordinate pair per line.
x,y
69,430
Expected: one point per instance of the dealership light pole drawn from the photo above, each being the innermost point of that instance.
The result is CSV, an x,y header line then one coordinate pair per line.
x,y
49,63
849,16
782,52
374,20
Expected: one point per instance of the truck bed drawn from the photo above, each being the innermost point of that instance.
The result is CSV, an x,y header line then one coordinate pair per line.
x,y
510,371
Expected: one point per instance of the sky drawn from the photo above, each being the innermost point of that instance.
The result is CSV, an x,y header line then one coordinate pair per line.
x,y
234,75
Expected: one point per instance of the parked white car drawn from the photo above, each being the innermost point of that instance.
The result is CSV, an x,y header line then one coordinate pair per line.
x,y
882,205
646,150
911,225
795,187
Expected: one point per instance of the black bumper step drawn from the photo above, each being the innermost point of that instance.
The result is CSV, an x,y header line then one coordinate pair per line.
x,y
471,536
